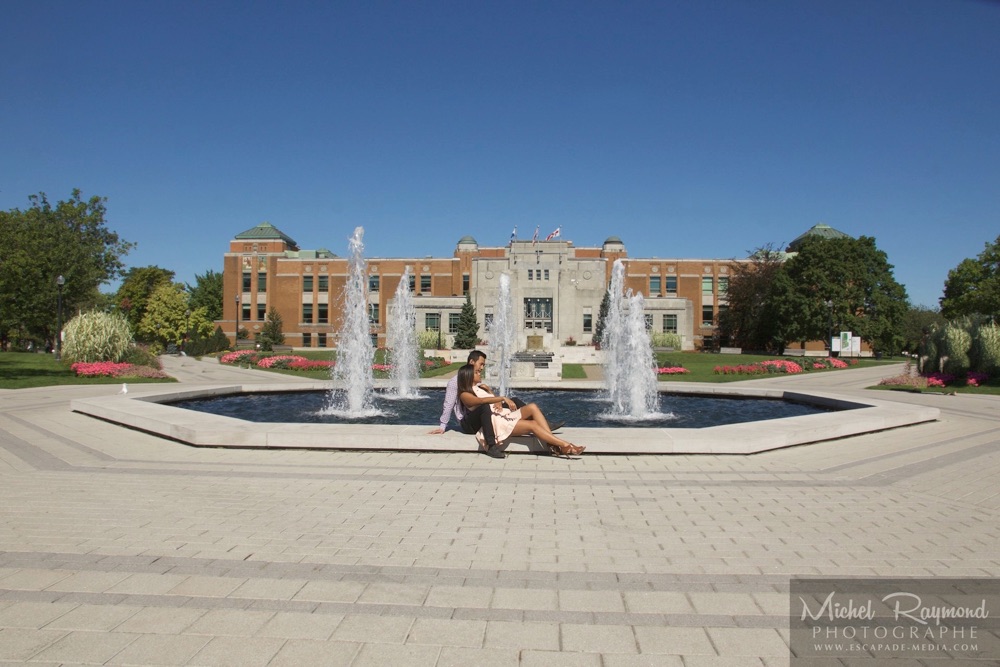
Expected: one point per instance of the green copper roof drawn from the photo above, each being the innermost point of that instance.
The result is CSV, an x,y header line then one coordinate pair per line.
x,y
267,231
613,239
822,231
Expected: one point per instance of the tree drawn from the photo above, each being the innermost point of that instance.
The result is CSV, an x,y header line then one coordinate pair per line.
x,y
207,293
136,290
271,334
973,287
70,239
168,319
918,323
467,334
602,313
839,284
749,320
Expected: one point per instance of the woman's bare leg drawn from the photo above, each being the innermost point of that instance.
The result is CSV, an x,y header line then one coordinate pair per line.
x,y
534,413
534,427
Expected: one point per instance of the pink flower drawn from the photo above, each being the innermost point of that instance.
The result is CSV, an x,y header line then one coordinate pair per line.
x,y
672,370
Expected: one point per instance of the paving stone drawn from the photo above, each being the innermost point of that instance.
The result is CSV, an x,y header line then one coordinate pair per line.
x,y
93,647
507,634
237,652
298,652
33,614
598,638
18,645
160,650
373,629
447,632
93,617
161,620
292,625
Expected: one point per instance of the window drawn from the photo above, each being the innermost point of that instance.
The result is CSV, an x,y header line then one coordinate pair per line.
x,y
487,321
307,283
413,282
324,283
246,312
588,323
707,284
261,311
373,283
671,284
706,316
723,285
373,313
307,340
531,274
465,284
538,314
261,282
307,313
374,339
649,321
670,324
432,321
323,313
654,286
546,274
425,284
246,282
321,340
453,319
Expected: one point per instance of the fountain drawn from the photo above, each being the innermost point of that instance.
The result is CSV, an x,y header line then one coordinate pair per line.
x,y
354,383
502,335
629,372
404,355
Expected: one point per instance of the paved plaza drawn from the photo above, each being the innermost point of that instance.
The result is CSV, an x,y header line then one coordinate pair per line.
x,y
118,547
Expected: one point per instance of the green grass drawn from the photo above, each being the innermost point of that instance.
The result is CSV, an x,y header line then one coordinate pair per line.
x,y
22,370
702,365
573,372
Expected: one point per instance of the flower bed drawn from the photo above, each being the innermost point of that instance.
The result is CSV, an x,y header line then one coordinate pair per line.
x,y
672,370
769,367
115,370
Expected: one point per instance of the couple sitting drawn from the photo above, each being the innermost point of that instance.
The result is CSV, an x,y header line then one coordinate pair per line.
x,y
495,418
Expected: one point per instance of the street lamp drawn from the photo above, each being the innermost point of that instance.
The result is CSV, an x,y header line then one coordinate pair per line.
x,y
60,281
236,338
187,328
829,325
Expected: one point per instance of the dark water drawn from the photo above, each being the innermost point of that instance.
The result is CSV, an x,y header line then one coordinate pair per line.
x,y
576,408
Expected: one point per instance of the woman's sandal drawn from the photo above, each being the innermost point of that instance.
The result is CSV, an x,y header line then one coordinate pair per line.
x,y
567,452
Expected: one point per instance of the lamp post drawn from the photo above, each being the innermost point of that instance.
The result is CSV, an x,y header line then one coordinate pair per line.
x,y
60,281
187,328
236,338
829,325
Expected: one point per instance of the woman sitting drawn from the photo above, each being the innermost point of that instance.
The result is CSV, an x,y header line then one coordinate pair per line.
x,y
505,417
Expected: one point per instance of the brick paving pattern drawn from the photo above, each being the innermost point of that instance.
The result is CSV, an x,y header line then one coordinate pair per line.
x,y
117,547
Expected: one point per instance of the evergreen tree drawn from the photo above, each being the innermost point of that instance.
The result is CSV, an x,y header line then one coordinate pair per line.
x,y
468,328
602,313
271,334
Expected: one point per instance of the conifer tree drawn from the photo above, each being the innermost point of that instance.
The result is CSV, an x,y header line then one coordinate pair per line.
x,y
468,328
271,334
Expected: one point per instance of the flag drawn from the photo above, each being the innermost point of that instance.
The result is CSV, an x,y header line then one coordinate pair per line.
x,y
534,239
554,234
513,234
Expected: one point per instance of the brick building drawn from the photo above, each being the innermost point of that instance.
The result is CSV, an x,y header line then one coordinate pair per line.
x,y
556,289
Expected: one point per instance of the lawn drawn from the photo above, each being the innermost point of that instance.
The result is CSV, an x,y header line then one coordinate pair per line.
x,y
701,366
22,370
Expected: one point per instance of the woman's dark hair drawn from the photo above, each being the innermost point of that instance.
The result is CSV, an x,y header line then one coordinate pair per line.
x,y
466,376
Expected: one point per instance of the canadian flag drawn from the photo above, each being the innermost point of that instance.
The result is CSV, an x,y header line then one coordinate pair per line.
x,y
554,234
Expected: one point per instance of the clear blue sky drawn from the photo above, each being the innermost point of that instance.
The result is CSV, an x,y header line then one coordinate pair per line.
x,y
690,129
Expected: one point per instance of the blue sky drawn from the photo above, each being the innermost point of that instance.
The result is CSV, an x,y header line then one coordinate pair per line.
x,y
689,129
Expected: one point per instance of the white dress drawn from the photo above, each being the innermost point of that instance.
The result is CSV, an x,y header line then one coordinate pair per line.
x,y
503,418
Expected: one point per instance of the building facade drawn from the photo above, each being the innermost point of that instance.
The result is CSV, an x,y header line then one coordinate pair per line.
x,y
556,289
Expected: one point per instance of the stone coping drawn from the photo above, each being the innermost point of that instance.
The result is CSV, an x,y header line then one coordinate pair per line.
x,y
147,413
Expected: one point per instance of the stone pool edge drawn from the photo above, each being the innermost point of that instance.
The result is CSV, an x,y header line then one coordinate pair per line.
x,y
147,413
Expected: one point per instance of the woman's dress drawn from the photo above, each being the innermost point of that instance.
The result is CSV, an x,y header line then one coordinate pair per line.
x,y
503,418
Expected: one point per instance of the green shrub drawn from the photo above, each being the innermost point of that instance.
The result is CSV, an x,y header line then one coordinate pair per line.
x,y
428,340
955,346
96,336
984,356
666,339
141,355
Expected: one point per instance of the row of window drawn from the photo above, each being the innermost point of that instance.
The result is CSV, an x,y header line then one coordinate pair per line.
x,y
707,285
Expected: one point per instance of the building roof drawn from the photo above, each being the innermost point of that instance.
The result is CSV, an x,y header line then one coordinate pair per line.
x,y
822,231
613,239
265,231
467,239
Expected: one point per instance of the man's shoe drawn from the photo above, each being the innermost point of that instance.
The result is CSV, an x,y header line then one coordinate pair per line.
x,y
495,452
555,426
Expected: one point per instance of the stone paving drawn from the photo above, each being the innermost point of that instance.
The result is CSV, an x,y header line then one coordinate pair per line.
x,y
118,547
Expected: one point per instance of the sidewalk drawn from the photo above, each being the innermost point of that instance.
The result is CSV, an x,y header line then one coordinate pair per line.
x,y
117,547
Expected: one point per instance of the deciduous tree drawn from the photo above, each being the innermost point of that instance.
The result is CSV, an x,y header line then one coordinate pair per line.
x,y
973,287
